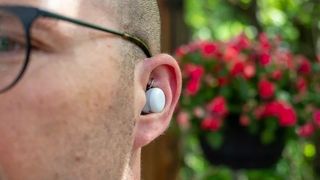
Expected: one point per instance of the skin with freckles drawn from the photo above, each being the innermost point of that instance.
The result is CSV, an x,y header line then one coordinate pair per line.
x,y
76,113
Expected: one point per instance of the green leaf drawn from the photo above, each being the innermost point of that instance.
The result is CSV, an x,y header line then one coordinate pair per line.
x,y
215,139
268,135
225,92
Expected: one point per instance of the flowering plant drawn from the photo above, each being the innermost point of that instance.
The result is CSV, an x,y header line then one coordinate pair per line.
x,y
265,85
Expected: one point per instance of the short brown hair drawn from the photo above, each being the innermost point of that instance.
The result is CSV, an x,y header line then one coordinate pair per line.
x,y
141,18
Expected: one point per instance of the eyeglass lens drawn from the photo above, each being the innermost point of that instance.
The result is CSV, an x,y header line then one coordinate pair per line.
x,y
13,48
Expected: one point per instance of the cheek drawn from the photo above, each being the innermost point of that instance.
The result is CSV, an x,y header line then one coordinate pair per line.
x,y
54,108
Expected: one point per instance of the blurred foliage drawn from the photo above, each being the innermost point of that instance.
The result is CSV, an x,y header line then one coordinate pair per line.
x,y
295,20
298,23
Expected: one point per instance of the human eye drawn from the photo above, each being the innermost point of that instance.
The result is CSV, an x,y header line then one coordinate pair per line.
x,y
13,39
13,50
10,45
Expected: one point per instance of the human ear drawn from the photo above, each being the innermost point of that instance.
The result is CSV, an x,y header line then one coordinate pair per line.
x,y
162,72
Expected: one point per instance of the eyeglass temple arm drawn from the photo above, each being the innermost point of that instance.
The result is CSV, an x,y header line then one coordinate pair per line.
x,y
124,35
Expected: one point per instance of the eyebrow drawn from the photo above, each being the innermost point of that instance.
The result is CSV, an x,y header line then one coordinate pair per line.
x,y
46,24
50,30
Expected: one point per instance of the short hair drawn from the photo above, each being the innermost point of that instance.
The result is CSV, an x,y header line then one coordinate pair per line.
x,y
137,17
141,18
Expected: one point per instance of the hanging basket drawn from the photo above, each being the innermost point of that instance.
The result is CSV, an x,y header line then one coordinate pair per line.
x,y
242,150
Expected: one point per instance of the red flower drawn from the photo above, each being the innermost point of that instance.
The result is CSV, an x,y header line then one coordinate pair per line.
x,y
287,116
230,53
301,85
306,130
218,106
241,42
209,67
264,42
211,123
272,109
194,71
222,81
237,68
249,71
206,124
193,87
209,49
316,117
305,66
265,59
282,111
283,58
276,75
266,89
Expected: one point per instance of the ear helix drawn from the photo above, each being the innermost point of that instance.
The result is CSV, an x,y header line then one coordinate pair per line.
x,y
156,100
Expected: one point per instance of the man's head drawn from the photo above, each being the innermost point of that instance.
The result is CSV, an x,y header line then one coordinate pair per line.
x,y
76,114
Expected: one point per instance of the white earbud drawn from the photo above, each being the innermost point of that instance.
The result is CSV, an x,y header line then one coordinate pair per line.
x,y
156,101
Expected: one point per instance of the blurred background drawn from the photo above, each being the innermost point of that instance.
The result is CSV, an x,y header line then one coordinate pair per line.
x,y
242,115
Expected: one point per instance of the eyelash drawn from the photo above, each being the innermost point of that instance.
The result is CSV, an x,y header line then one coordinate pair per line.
x,y
12,43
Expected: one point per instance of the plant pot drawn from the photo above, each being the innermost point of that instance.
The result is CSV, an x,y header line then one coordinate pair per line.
x,y
242,150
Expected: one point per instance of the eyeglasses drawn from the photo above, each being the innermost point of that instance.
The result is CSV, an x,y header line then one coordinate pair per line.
x,y
15,40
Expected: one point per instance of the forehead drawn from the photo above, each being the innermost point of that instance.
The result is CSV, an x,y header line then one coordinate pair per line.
x,y
95,11
67,7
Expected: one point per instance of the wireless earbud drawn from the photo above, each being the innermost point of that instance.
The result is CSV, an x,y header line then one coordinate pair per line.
x,y
156,101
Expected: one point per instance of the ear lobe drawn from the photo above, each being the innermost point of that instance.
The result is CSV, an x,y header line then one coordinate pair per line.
x,y
165,72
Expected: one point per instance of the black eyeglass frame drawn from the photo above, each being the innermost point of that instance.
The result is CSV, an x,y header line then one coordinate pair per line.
x,y
27,15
